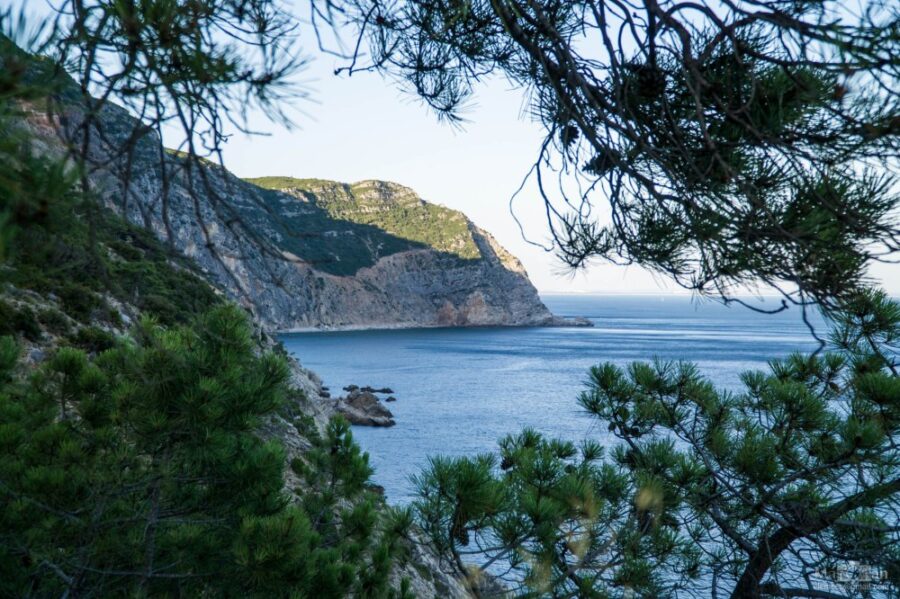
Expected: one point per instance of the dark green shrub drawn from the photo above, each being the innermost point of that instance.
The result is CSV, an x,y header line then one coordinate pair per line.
x,y
7,317
54,321
93,339
306,426
27,325
125,250
172,294
77,300
298,467
112,316
19,321
160,307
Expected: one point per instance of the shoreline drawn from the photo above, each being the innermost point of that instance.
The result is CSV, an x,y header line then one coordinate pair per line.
x,y
577,322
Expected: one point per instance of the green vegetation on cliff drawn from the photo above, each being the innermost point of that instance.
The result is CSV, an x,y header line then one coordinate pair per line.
x,y
287,183
49,246
82,281
387,207
128,265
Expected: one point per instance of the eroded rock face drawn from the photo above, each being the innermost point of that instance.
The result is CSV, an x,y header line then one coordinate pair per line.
x,y
318,254
415,287
411,288
286,256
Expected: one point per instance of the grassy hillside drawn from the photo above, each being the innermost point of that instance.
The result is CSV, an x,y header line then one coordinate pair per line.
x,y
389,218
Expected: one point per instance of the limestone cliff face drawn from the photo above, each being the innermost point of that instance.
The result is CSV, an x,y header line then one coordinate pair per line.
x,y
307,253
325,256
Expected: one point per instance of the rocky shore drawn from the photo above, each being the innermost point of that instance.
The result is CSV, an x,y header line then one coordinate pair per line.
x,y
362,407
551,321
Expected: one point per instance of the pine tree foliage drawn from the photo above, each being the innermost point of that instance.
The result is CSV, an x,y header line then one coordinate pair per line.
x,y
141,472
702,491
736,143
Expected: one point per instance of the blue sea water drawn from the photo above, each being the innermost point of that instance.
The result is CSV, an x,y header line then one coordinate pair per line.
x,y
460,390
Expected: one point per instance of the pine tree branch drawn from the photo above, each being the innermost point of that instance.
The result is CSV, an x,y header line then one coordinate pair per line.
x,y
749,584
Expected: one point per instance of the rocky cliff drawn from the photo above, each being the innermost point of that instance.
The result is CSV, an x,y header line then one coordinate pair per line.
x,y
310,253
371,254
297,253
375,254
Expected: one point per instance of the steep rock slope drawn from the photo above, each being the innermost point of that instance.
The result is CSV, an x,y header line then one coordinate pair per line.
x,y
371,254
310,253
401,261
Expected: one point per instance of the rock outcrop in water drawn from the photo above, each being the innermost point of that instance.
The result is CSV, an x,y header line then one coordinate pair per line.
x,y
363,408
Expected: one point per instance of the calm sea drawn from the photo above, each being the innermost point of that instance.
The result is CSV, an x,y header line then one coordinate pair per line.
x,y
460,390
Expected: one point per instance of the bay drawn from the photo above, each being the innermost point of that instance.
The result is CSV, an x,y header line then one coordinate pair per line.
x,y
460,390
